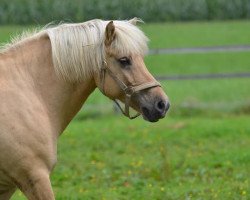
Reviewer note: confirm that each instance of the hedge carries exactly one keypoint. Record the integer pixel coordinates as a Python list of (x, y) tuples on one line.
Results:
[(45, 11)]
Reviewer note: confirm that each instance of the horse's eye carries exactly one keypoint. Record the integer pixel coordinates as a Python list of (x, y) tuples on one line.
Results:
[(124, 61)]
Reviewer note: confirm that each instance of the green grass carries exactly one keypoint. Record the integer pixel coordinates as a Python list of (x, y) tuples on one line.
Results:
[(200, 151), (168, 160), (198, 34), (199, 63), (113, 158)]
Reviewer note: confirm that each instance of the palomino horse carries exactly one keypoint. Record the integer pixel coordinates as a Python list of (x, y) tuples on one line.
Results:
[(44, 80)]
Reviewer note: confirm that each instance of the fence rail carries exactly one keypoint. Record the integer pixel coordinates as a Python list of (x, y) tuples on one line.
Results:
[(203, 76), (213, 49)]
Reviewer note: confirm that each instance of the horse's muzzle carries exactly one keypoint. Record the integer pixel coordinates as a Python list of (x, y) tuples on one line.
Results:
[(156, 110)]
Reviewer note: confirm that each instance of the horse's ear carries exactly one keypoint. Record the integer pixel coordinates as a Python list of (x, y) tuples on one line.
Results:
[(109, 33), (135, 20)]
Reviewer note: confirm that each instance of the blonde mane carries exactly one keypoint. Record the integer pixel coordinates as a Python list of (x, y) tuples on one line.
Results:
[(78, 49)]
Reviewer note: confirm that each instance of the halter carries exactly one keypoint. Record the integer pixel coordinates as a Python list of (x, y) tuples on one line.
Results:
[(128, 90)]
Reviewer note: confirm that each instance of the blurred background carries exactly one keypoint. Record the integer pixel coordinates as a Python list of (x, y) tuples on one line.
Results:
[(44, 11), (200, 51)]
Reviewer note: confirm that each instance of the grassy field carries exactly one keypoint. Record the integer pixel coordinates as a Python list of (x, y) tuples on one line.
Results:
[(200, 151), (196, 34), (199, 63)]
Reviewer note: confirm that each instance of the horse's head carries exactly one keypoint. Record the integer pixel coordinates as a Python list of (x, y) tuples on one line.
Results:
[(124, 75)]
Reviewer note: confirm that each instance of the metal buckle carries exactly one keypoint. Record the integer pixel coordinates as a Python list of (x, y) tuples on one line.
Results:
[(105, 63), (129, 91)]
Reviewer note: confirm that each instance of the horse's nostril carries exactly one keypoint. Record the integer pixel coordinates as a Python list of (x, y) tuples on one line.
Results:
[(162, 106)]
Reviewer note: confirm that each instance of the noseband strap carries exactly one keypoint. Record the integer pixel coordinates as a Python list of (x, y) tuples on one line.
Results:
[(128, 90)]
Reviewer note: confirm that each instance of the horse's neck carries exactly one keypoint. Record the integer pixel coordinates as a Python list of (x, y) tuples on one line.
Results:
[(33, 72)]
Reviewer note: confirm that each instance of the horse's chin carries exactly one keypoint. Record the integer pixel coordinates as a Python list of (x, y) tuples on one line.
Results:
[(148, 119), (147, 116), (151, 115)]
